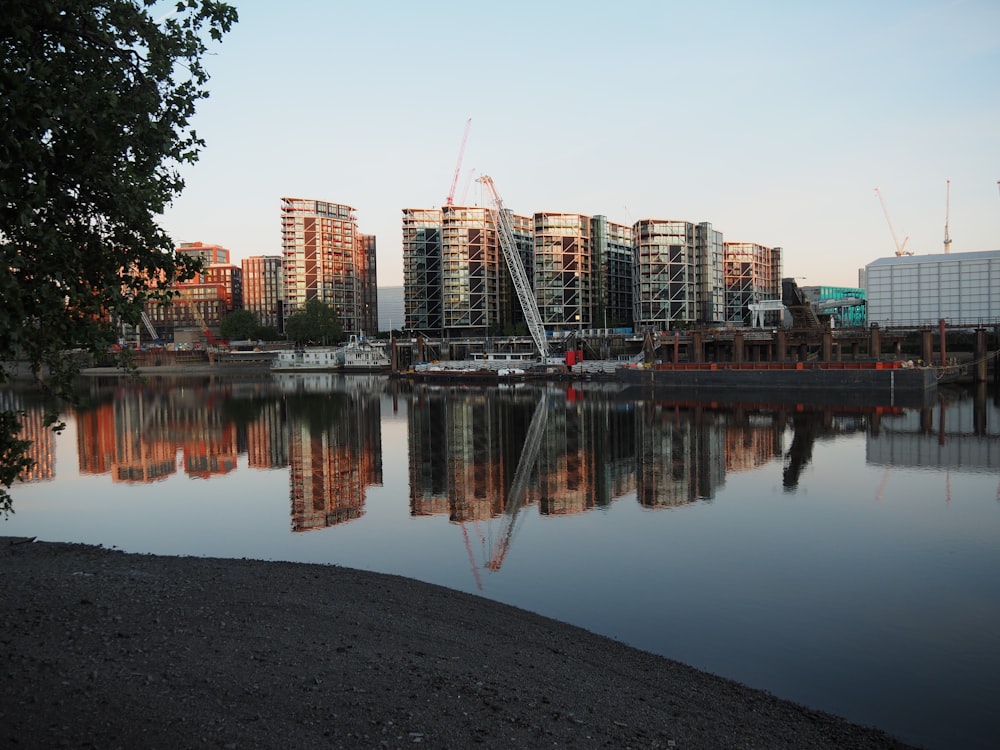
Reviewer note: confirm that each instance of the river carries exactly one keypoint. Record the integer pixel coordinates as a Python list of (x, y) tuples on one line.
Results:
[(844, 558)]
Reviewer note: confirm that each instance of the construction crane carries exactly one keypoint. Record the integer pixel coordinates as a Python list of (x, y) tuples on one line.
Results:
[(519, 485), (947, 213), (900, 248), (450, 201), (149, 327), (465, 184), (505, 233)]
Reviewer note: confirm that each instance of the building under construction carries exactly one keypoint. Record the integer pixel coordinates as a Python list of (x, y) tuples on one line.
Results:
[(585, 273)]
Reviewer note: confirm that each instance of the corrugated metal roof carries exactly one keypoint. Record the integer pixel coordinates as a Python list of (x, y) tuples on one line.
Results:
[(906, 260)]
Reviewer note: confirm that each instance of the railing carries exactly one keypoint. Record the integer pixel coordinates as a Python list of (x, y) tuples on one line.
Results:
[(759, 366)]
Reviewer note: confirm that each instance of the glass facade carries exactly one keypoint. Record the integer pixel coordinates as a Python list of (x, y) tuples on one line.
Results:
[(586, 272), (752, 274), (470, 271), (664, 256), (422, 283), (612, 287), (262, 289), (823, 299), (563, 271)]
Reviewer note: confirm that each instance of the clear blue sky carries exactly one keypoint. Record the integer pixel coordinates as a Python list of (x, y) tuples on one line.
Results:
[(774, 121)]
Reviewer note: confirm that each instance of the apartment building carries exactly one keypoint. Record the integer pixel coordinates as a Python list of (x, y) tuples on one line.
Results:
[(194, 315), (611, 292), (678, 277), (423, 303), (262, 294), (753, 274), (563, 271), (586, 272), (325, 258)]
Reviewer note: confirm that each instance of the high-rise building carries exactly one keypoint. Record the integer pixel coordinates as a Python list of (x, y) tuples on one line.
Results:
[(753, 274), (470, 272), (326, 259), (262, 289), (563, 271), (710, 283), (612, 291), (422, 287), (674, 280), (585, 272), (367, 269)]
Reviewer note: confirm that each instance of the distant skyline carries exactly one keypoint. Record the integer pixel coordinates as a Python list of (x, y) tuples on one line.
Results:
[(774, 121)]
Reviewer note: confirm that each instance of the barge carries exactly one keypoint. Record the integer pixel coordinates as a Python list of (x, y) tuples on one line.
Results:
[(887, 383)]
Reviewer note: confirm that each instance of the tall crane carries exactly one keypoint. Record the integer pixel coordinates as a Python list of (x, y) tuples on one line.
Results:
[(505, 233), (947, 213), (900, 248), (458, 167)]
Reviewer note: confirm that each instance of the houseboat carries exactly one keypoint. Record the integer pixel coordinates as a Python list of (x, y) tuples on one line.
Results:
[(358, 355)]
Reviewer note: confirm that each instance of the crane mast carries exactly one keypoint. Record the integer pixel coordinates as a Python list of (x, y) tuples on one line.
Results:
[(505, 233), (947, 213)]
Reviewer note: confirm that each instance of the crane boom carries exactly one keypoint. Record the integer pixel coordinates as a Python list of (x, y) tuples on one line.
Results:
[(458, 167), (900, 248), (149, 327), (505, 233)]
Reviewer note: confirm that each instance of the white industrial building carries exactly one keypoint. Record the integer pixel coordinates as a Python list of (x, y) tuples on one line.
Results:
[(920, 290)]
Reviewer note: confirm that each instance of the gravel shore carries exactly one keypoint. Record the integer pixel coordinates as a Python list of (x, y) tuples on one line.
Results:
[(111, 650)]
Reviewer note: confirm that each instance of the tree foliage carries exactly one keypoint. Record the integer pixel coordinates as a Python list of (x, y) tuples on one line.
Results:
[(315, 324), (238, 325), (96, 98)]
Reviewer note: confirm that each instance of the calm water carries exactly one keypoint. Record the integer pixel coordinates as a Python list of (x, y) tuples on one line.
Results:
[(847, 560)]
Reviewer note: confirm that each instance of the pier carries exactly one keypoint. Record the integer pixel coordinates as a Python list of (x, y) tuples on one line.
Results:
[(957, 353)]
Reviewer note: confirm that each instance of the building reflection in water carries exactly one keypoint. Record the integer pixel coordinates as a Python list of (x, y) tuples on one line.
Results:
[(481, 453), (41, 451), (335, 454)]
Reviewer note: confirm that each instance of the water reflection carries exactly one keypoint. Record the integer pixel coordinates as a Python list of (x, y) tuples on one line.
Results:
[(791, 547), (476, 453)]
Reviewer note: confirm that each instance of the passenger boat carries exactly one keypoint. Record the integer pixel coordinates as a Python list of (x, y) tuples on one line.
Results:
[(358, 355)]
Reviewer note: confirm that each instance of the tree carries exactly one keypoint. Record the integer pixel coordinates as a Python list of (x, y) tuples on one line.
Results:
[(315, 324), (96, 98), (239, 324)]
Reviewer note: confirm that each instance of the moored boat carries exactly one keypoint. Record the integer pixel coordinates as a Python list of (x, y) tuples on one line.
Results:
[(358, 355)]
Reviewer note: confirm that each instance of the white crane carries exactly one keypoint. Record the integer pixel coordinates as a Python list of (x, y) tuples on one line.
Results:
[(149, 327), (450, 200), (505, 233), (900, 248), (947, 213)]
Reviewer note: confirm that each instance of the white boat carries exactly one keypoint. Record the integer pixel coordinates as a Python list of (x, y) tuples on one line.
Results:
[(358, 355)]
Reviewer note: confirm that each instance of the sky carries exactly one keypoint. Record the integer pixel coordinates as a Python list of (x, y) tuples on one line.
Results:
[(773, 121)]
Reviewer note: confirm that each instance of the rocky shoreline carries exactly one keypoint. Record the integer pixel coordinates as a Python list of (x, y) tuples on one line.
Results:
[(113, 650)]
